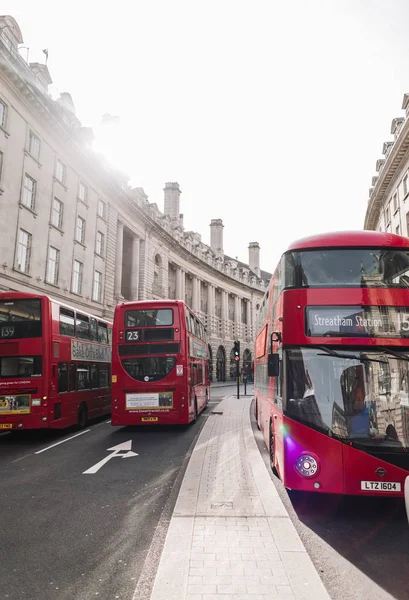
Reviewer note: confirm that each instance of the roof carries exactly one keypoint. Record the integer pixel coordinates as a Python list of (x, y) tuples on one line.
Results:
[(263, 274), (350, 238)]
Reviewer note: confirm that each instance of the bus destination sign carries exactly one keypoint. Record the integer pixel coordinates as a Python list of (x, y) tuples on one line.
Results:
[(357, 321), (90, 351)]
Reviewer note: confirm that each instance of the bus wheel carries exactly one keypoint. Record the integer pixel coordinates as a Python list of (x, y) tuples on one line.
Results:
[(272, 450), (82, 416)]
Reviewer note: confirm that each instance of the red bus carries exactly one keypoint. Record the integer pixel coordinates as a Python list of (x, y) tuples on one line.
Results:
[(54, 364), (332, 364), (160, 364)]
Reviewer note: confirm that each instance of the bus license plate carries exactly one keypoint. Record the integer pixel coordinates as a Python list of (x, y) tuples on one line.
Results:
[(150, 419), (380, 486), (6, 426)]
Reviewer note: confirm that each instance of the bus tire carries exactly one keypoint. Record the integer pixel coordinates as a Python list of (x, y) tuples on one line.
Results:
[(82, 416), (272, 450)]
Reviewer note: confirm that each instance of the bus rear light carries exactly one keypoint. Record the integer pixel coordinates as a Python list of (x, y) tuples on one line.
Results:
[(44, 397), (44, 419), (307, 465)]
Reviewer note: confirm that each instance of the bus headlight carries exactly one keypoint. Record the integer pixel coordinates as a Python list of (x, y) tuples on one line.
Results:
[(307, 465)]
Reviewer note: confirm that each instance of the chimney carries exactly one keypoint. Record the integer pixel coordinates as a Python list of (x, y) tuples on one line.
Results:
[(172, 200), (216, 236), (254, 257), (181, 220)]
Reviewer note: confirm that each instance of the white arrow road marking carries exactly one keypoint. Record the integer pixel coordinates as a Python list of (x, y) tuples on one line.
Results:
[(125, 446)]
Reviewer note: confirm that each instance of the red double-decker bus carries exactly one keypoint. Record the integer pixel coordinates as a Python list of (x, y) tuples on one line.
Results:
[(332, 364), (54, 364), (160, 364)]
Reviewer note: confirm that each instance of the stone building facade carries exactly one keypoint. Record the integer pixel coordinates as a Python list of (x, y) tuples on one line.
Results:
[(388, 210), (72, 228)]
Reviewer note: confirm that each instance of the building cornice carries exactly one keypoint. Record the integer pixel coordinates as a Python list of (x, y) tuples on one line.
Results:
[(386, 177)]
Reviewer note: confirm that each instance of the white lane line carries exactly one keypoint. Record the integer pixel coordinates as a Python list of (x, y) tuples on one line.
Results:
[(108, 421), (21, 458), (62, 441)]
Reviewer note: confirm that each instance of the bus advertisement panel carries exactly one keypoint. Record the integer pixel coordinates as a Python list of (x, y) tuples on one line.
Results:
[(332, 385), (54, 364), (160, 364)]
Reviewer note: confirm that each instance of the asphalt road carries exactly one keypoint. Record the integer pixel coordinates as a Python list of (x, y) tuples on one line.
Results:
[(360, 546), (71, 535)]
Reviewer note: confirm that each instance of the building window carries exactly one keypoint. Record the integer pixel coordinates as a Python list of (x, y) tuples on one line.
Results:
[(395, 202), (80, 230), (53, 265), (82, 192), (29, 192), (57, 212), (77, 277), (24, 251), (100, 244), (3, 114), (405, 185), (388, 214), (102, 209), (60, 171), (97, 287), (34, 145), (397, 230)]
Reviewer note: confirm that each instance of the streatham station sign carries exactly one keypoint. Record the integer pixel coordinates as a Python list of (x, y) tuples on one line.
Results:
[(357, 321)]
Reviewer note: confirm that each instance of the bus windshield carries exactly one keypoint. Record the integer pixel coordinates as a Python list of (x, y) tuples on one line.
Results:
[(20, 318), (353, 395), (149, 368), (149, 318), (362, 267)]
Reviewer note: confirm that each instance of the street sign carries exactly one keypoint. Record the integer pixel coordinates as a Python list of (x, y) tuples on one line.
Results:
[(116, 450)]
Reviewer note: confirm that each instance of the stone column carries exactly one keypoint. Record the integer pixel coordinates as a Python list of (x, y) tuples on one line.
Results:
[(183, 284), (248, 313), (210, 300), (119, 258), (225, 306), (195, 306), (237, 309), (179, 284), (135, 268), (199, 295)]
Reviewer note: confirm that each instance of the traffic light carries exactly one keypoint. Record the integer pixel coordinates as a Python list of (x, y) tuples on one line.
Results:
[(236, 351)]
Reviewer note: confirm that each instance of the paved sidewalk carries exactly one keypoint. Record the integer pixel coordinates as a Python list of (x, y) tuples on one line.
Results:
[(230, 537)]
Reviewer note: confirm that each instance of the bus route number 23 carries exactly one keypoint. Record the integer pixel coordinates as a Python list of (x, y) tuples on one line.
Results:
[(132, 336)]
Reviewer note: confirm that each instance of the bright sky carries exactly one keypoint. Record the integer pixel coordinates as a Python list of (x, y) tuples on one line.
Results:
[(270, 114)]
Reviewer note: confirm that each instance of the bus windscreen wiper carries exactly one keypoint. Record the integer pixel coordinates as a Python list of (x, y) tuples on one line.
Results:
[(362, 359)]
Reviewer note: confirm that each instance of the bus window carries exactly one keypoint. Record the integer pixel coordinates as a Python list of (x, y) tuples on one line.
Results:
[(67, 322), (72, 377), (93, 329), (82, 327), (102, 333), (94, 378), (103, 376), (82, 377), (62, 377), (109, 336)]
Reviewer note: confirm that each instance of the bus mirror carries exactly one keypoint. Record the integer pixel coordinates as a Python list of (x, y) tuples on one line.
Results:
[(273, 366)]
